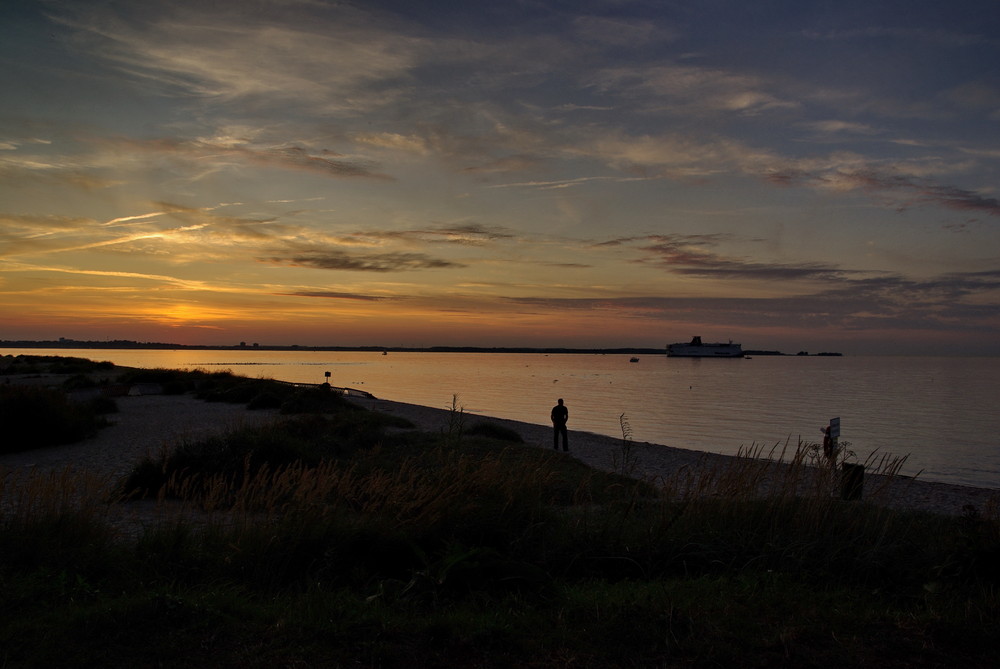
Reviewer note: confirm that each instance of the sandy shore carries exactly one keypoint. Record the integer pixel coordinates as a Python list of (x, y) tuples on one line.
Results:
[(146, 424)]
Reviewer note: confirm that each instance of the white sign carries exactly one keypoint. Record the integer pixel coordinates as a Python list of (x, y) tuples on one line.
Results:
[(835, 427)]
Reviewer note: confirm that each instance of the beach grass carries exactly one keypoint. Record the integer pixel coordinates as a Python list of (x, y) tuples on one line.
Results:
[(345, 537)]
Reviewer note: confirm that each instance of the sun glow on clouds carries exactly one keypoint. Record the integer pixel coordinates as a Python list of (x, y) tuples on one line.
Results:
[(342, 173)]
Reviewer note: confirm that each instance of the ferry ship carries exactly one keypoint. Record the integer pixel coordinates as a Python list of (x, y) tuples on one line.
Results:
[(696, 349)]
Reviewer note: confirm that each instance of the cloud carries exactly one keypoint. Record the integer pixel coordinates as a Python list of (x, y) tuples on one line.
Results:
[(128, 220), (837, 127), (33, 223), (229, 153), (692, 89), (680, 158), (23, 234), (976, 96), (15, 144), (380, 262), (326, 294), (97, 162), (395, 141), (881, 303), (467, 234), (567, 183), (179, 234), (77, 172), (515, 163), (912, 189), (692, 255), (940, 37), (959, 198), (174, 232), (325, 56), (187, 284), (619, 33)]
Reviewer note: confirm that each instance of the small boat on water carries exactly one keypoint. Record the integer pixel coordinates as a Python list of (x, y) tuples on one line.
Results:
[(696, 349), (633, 359)]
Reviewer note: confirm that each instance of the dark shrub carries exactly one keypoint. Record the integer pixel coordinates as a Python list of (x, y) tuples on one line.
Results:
[(265, 400), (260, 393), (494, 431), (315, 400), (103, 405), (173, 381), (233, 455), (239, 393), (176, 387), (51, 364), (39, 417), (78, 381)]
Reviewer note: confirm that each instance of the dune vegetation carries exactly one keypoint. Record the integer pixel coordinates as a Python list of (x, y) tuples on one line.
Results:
[(343, 537)]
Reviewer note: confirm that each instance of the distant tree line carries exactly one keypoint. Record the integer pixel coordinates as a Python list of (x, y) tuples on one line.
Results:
[(129, 344)]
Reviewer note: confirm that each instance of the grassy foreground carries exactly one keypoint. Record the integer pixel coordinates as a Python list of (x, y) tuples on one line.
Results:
[(341, 537)]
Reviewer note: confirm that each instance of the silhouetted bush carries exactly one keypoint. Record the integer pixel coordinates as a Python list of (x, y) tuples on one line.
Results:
[(34, 417), (494, 431), (102, 405), (78, 382), (173, 381), (266, 399), (51, 364), (315, 400)]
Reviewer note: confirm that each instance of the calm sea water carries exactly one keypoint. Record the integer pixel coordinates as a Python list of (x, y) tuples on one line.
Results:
[(940, 412)]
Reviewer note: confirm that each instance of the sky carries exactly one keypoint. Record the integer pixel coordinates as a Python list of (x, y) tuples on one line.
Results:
[(791, 175)]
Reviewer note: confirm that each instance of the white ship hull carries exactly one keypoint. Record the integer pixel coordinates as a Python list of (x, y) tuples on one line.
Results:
[(696, 349)]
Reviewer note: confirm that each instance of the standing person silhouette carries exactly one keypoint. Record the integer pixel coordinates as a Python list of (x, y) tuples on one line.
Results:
[(560, 414)]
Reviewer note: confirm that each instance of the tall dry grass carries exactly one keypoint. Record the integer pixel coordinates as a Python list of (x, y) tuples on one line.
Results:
[(781, 472), (780, 509), (26, 495), (774, 509), (61, 518), (350, 521), (428, 491)]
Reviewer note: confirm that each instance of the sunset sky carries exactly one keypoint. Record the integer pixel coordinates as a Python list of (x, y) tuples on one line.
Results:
[(790, 175)]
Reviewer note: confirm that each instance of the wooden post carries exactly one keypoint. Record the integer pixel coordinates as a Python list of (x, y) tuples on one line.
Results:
[(852, 481)]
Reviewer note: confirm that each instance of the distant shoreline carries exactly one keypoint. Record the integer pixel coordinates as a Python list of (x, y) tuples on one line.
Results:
[(157, 346)]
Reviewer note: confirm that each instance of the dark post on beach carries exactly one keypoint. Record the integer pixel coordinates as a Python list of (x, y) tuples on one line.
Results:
[(831, 433), (852, 481), (852, 476)]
